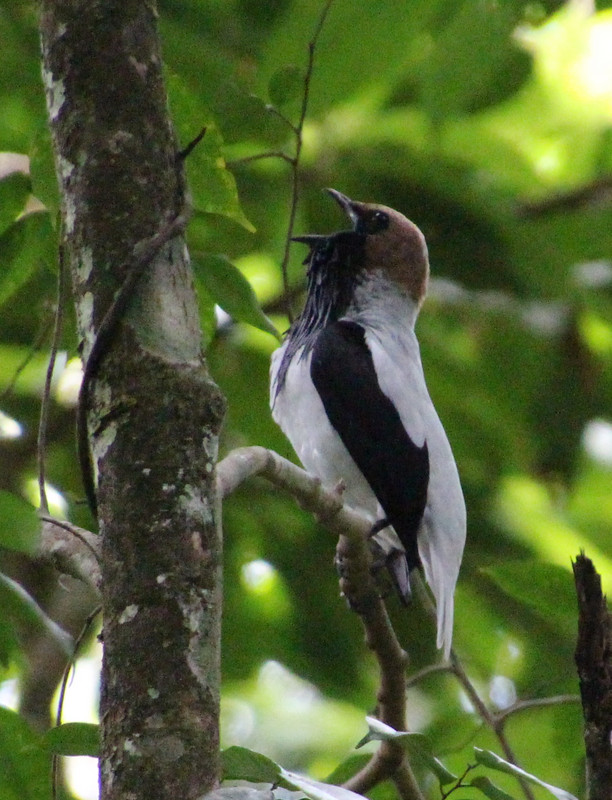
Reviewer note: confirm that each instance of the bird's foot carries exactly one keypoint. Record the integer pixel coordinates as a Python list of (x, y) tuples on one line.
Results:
[(379, 526), (395, 563)]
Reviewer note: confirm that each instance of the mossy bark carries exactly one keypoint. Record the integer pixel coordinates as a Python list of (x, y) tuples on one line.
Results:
[(155, 413)]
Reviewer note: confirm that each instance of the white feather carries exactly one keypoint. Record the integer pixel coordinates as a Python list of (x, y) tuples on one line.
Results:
[(388, 318), (299, 412), (389, 325)]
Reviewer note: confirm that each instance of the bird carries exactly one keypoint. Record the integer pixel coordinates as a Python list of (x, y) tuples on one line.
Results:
[(348, 390)]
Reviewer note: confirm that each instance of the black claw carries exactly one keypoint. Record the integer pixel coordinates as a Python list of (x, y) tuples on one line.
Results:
[(379, 526)]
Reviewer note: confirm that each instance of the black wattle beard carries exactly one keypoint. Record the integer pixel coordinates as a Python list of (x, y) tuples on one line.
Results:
[(335, 268)]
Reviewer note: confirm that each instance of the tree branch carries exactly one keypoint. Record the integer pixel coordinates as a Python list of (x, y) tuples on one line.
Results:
[(536, 702), (247, 462), (73, 550), (354, 561), (487, 716)]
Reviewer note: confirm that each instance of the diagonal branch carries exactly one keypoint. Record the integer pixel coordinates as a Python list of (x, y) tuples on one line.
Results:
[(481, 708), (354, 561)]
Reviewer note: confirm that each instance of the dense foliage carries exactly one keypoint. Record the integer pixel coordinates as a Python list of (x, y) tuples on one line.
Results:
[(489, 124)]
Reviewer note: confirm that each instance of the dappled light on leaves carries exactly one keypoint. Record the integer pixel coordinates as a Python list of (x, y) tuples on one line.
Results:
[(282, 716), (528, 510)]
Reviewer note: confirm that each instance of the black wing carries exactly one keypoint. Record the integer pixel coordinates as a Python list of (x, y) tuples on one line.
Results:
[(370, 428)]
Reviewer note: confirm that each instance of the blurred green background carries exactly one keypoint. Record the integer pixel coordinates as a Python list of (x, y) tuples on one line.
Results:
[(489, 123)]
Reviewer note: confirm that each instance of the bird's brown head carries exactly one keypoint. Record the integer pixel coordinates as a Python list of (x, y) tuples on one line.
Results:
[(393, 244)]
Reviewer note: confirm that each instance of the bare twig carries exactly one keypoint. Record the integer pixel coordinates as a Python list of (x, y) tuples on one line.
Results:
[(299, 128), (432, 669), (237, 162), (459, 783), (186, 151), (42, 334), (536, 702), (354, 561), (62, 694), (293, 161), (485, 714), (247, 462), (273, 110), (46, 398)]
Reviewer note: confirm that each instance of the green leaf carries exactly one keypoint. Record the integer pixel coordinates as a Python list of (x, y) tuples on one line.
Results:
[(42, 170), (417, 744), (286, 84), (244, 117), (9, 642), (317, 790), (240, 763), (493, 761), (20, 606), (231, 290), (208, 318), (24, 247), (14, 191), (212, 185), (489, 789), (74, 739), (342, 66), (31, 379), (347, 768), (19, 524), (546, 588), (25, 764), (474, 60)]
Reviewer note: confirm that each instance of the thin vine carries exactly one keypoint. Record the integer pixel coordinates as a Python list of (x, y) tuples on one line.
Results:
[(297, 130), (46, 398), (62, 694)]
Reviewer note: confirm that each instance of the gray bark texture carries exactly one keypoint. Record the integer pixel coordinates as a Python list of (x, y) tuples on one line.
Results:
[(594, 662), (153, 413)]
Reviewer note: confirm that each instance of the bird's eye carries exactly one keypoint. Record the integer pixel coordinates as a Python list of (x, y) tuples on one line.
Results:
[(375, 222)]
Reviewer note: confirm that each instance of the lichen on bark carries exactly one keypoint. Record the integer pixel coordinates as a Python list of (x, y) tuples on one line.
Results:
[(155, 412)]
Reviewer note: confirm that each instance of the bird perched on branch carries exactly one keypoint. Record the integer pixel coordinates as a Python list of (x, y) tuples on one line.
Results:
[(348, 390)]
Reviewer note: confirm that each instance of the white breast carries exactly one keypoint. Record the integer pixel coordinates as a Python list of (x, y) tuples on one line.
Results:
[(299, 412)]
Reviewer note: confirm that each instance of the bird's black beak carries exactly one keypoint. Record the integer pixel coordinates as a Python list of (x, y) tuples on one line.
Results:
[(346, 204), (311, 239)]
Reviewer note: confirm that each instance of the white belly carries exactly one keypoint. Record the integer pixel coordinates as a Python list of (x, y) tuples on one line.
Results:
[(299, 412)]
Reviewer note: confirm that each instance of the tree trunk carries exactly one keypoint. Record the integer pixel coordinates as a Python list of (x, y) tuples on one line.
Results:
[(154, 414)]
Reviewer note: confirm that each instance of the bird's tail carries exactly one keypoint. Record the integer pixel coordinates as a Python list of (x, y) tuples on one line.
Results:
[(442, 584)]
